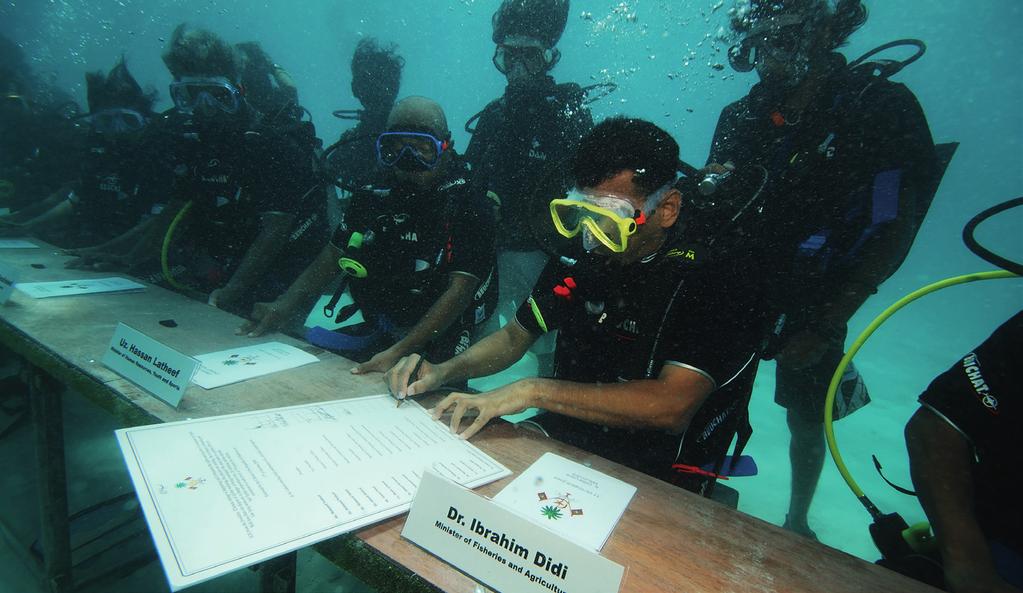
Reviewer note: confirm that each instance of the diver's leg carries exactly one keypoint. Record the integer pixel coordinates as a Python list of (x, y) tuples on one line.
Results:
[(806, 455)]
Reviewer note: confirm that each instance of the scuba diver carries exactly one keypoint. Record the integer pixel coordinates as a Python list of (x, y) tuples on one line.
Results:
[(524, 143), (376, 77), (655, 354), (961, 443), (244, 213), (847, 169), (39, 145), (417, 254), (109, 197), (268, 86)]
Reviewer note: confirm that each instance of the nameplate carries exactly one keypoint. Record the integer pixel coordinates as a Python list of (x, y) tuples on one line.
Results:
[(500, 549), (8, 278), (158, 369)]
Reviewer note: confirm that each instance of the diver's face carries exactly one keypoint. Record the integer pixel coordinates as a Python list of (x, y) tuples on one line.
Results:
[(782, 55), (648, 236), (521, 60)]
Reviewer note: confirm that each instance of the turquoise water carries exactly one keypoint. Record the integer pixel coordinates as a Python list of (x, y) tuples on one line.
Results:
[(661, 54)]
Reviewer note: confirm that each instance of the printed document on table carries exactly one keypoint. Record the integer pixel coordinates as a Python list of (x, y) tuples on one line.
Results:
[(226, 492), (572, 500), (240, 364), (44, 290), (17, 244)]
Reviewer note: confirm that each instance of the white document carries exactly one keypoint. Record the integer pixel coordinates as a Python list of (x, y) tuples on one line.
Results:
[(496, 547), (572, 500), (17, 244), (240, 364), (226, 492), (44, 290)]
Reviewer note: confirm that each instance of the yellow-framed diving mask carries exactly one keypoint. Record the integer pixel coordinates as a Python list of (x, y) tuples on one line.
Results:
[(602, 219)]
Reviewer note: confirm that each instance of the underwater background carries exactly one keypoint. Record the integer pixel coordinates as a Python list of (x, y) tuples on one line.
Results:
[(671, 68)]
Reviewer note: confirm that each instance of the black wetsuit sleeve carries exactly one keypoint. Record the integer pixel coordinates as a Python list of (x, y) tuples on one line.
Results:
[(980, 394), (479, 142), (471, 249), (285, 176), (724, 145), (708, 330), (546, 310)]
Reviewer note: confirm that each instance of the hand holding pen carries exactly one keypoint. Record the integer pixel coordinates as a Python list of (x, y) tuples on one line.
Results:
[(412, 375)]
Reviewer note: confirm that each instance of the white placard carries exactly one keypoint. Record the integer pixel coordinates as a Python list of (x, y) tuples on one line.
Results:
[(240, 364), (226, 492), (157, 368), (45, 290), (570, 499), (499, 549), (17, 244), (8, 278)]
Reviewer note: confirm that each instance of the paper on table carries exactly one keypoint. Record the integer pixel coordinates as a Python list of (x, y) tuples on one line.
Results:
[(572, 500), (17, 244), (232, 366), (226, 492), (44, 290)]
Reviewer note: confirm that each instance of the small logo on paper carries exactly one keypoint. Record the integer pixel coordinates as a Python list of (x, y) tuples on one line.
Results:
[(238, 359), (190, 483), (557, 506)]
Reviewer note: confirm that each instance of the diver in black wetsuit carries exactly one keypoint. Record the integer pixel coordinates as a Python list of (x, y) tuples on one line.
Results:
[(851, 168), (376, 77), (112, 192), (524, 143)]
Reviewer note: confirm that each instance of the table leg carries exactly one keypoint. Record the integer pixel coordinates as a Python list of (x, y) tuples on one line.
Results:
[(48, 424), (279, 574)]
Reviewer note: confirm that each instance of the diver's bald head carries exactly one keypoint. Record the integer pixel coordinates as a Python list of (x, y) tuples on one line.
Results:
[(419, 113)]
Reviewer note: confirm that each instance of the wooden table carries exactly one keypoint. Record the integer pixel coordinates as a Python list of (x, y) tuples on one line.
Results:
[(668, 539)]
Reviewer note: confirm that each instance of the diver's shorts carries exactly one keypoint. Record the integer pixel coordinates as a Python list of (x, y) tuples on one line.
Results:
[(803, 392)]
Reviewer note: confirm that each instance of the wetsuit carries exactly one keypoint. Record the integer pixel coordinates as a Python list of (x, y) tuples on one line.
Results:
[(850, 179), (233, 175), (981, 396), (420, 237), (116, 189), (622, 324), (522, 152)]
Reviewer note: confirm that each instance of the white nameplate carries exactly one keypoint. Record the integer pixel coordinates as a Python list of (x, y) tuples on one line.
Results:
[(160, 370), (17, 244), (8, 278), (498, 548)]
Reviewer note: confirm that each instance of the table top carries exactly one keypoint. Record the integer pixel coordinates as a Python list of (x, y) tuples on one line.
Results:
[(668, 539)]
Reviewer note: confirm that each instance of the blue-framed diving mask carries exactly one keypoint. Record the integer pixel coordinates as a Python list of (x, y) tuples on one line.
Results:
[(411, 151)]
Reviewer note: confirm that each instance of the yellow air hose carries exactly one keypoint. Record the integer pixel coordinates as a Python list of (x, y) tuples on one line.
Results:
[(836, 379), (166, 248)]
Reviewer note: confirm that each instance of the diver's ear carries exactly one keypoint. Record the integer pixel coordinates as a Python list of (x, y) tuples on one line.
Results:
[(669, 207)]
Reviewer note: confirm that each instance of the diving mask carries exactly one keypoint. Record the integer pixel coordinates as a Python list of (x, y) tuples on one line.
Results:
[(783, 38), (190, 93), (603, 219), (419, 150), (534, 60), (115, 121)]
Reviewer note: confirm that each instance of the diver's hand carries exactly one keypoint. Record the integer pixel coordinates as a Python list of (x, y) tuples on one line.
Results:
[(510, 399), (266, 317), (379, 363), (970, 578), (717, 168), (404, 380), (223, 298), (98, 262), (803, 350)]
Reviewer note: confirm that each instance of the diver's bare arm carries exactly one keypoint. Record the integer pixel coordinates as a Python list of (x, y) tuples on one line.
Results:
[(490, 355), (264, 250), (447, 308)]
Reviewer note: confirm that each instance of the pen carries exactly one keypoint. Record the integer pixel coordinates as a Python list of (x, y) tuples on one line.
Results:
[(412, 376)]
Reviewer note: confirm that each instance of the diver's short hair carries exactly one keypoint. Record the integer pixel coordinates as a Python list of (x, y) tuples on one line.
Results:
[(376, 70), (199, 52), (842, 17), (627, 144), (116, 89)]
